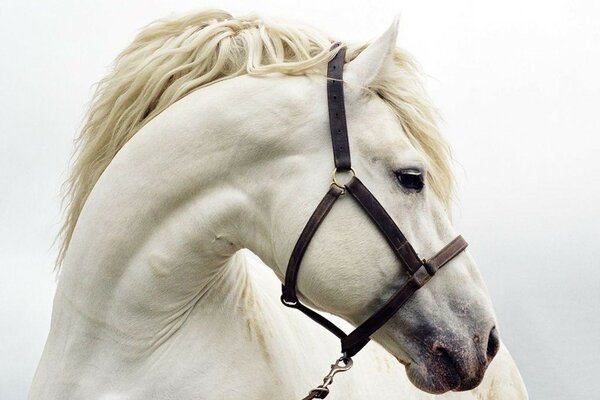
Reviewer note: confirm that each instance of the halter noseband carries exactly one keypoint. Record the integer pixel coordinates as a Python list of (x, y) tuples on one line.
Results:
[(419, 271)]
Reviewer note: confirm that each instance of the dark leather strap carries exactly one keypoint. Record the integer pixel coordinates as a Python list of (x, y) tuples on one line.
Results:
[(386, 225), (355, 340), (321, 320), (337, 110), (289, 296), (446, 254)]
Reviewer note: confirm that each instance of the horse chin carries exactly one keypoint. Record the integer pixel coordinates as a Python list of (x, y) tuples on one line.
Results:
[(437, 379), (433, 380)]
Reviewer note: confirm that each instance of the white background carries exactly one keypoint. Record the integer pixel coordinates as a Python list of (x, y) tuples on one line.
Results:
[(517, 82)]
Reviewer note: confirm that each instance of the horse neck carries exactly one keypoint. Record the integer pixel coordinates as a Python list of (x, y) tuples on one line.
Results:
[(169, 212)]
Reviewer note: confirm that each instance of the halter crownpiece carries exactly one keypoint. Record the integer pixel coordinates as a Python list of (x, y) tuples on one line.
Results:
[(420, 271)]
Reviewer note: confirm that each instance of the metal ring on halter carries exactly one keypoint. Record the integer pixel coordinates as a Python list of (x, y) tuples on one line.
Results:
[(334, 180)]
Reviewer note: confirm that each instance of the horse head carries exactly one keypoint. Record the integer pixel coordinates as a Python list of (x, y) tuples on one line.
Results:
[(445, 334)]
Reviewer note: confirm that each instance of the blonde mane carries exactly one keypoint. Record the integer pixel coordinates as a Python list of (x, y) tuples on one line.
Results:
[(172, 57)]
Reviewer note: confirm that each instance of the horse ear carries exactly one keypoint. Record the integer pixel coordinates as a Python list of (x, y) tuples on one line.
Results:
[(367, 65)]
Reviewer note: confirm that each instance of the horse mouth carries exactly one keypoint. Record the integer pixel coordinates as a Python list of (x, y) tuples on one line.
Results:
[(435, 383), (439, 378)]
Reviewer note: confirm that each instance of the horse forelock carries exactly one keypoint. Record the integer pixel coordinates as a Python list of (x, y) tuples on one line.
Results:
[(172, 57)]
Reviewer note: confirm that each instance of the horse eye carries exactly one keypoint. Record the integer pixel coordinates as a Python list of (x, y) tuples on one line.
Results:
[(411, 179)]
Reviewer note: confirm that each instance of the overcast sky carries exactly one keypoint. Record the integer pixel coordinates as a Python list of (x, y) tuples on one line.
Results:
[(517, 83)]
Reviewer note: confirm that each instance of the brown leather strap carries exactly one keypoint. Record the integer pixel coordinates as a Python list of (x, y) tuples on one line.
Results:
[(355, 340), (319, 319), (446, 254), (289, 296), (337, 110), (386, 225)]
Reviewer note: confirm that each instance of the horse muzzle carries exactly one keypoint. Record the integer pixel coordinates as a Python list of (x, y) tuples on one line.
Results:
[(448, 361)]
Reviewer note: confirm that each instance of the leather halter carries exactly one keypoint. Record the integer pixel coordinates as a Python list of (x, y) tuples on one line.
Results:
[(419, 271)]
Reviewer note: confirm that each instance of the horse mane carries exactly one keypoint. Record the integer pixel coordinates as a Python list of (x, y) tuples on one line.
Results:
[(172, 57)]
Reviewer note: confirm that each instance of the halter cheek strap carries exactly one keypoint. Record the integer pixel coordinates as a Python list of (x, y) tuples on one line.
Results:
[(337, 111), (419, 271)]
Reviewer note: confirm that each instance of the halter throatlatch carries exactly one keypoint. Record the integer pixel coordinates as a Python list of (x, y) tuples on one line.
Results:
[(419, 271)]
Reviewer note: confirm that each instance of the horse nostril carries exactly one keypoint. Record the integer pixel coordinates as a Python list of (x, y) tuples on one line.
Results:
[(493, 344), (444, 354), (441, 351)]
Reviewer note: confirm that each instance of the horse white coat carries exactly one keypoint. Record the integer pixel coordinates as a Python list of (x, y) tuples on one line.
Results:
[(157, 298)]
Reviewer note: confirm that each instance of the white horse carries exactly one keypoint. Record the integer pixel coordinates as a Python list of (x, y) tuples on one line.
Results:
[(157, 298)]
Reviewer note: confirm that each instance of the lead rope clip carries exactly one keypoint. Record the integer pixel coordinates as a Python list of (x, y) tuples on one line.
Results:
[(320, 392)]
